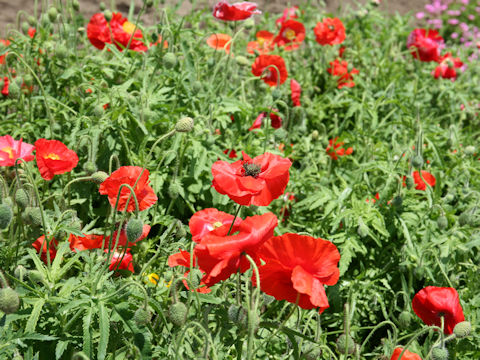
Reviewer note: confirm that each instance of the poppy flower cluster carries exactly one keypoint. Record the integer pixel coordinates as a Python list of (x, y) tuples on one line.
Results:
[(271, 68), (264, 43), (422, 180), (334, 149), (340, 69), (446, 67), (330, 31)]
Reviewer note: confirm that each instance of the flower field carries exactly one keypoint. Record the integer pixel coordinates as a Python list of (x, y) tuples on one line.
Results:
[(237, 184)]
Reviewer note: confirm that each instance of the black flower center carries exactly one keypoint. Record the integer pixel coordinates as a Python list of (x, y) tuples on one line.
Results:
[(251, 169)]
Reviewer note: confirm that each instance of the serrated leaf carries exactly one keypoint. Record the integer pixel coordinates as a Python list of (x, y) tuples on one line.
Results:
[(60, 349), (38, 263), (104, 323), (34, 316), (87, 336)]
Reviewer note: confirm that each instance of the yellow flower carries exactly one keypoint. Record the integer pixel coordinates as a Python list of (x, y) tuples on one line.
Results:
[(153, 278)]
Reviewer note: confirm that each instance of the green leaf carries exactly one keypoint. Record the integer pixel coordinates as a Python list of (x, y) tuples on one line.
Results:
[(34, 316), (87, 336), (60, 349), (104, 323)]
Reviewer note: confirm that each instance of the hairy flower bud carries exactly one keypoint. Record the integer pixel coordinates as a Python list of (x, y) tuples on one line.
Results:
[(99, 176), (174, 189), (177, 313), (409, 182), (464, 218), (33, 216), (439, 353), (13, 90), (52, 14), (342, 344), (185, 124), (397, 202), (442, 222), (108, 15), (238, 315), (194, 278), (9, 300), (462, 329), (76, 5), (89, 167), (404, 319), (170, 60), (242, 60), (470, 150), (417, 161), (315, 135), (134, 229), (6, 215), (31, 20), (311, 353), (142, 317)]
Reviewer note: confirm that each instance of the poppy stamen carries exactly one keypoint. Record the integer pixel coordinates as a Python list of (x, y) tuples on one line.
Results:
[(251, 169)]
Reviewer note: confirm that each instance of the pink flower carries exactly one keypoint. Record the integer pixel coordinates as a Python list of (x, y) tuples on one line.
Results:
[(235, 12), (425, 44), (11, 150)]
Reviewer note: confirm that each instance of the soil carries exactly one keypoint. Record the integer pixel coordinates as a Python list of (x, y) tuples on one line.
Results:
[(9, 9)]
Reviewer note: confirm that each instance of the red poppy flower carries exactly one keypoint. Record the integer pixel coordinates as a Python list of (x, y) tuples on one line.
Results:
[(299, 265), (5, 86), (255, 181), (288, 13), (31, 32), (296, 90), (267, 66), (206, 220), (420, 185), (123, 258), (129, 175), (446, 68), (330, 32), (341, 50), (334, 150), (123, 240), (11, 150), (340, 68), (86, 242), (275, 119), (425, 44), (220, 42), (40, 243), (183, 259), (235, 12), (221, 255), (54, 158), (290, 35), (374, 199), (2, 57), (407, 355), (232, 154), (263, 45), (118, 31), (431, 303)]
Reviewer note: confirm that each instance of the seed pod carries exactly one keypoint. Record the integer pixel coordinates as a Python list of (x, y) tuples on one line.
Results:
[(185, 124), (142, 317), (177, 313), (99, 176), (439, 353), (404, 319), (442, 222), (462, 329), (6, 215), (342, 344), (9, 300), (134, 229), (170, 60), (417, 161)]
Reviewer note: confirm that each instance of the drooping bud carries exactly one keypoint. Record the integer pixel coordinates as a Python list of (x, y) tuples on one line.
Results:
[(185, 124), (276, 94), (362, 229), (404, 319), (33, 215), (174, 189), (170, 60), (99, 176), (462, 329), (417, 161), (142, 317), (238, 315), (25, 27), (464, 218), (194, 278), (148, 3), (134, 229), (102, 6), (52, 14), (89, 167), (442, 222), (315, 134), (61, 51), (76, 5), (311, 353), (9, 300), (6, 215), (342, 344), (31, 20), (439, 353), (180, 233), (177, 313), (249, 23), (13, 90), (449, 198), (242, 60)]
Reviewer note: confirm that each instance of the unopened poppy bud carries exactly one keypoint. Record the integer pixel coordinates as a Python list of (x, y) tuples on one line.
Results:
[(108, 15), (404, 319), (417, 161), (13, 90), (142, 317), (311, 353), (315, 134), (449, 198), (342, 344), (242, 60), (31, 20), (20, 272), (362, 230), (89, 167), (470, 150), (35, 276), (28, 80), (174, 189), (462, 329), (76, 5), (33, 216), (238, 315), (185, 124), (442, 222), (211, 62), (25, 27), (6, 215), (419, 272), (52, 14), (61, 52), (180, 233), (177, 313), (464, 218), (409, 182), (45, 20), (148, 3), (276, 94), (99, 176), (194, 278), (102, 6), (134, 229), (439, 353), (170, 60), (249, 23), (9, 300), (397, 201)]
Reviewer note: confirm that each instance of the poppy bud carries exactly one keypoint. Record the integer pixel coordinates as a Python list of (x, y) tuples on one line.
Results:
[(442, 222), (177, 313), (61, 52), (180, 233), (362, 230), (342, 344), (211, 62), (142, 317), (108, 15), (311, 353), (45, 20), (31, 20), (6, 215), (98, 110), (170, 60), (238, 315), (25, 27), (276, 94), (417, 161), (464, 219), (185, 124), (28, 80), (249, 23), (397, 201), (439, 353), (197, 86), (52, 14), (9, 300), (409, 182), (102, 6), (449, 198), (76, 5), (35, 276), (148, 3), (194, 278), (462, 329), (242, 60), (470, 150), (33, 216), (89, 167), (404, 319), (13, 90), (134, 229), (419, 272), (99, 176), (174, 189), (315, 134), (20, 272)]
